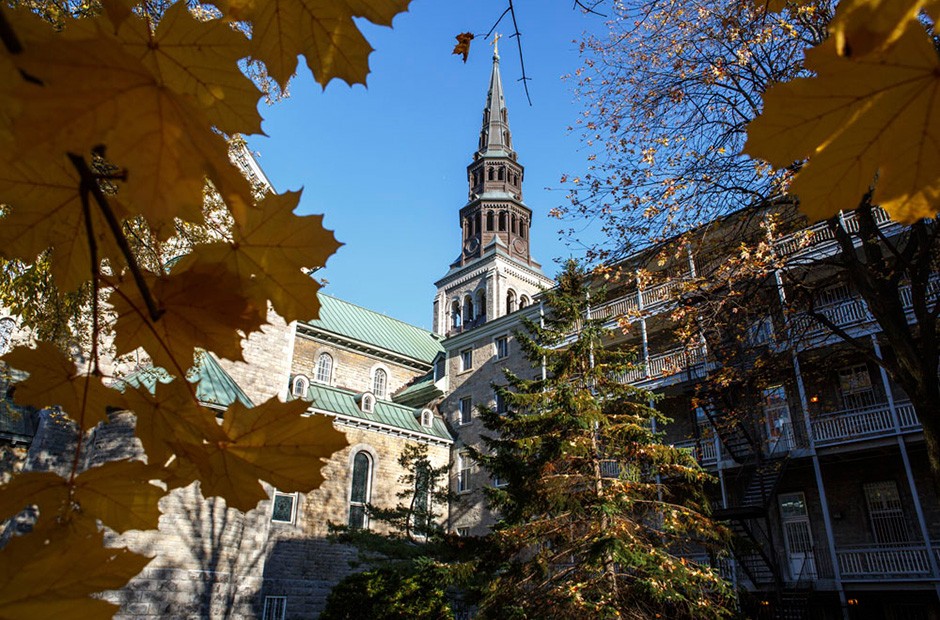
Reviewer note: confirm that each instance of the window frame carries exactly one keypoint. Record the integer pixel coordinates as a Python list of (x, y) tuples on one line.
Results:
[(318, 375), (466, 359), (464, 471), (499, 403), (380, 371), (299, 380), (270, 612), (293, 507), (501, 346), (367, 491)]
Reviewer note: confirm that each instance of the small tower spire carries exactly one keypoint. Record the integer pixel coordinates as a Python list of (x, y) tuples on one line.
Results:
[(495, 137)]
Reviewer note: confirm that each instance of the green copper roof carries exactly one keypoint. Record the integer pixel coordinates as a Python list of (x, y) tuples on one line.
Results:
[(214, 386), (357, 323), (346, 403), (419, 393)]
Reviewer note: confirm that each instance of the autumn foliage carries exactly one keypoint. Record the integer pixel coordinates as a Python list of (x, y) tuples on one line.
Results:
[(114, 121)]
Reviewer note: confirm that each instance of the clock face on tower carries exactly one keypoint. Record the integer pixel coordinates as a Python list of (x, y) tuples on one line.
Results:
[(471, 245), (518, 246)]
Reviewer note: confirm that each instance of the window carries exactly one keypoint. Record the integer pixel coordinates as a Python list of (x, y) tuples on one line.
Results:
[(523, 302), (466, 410), (440, 367), (463, 472), (856, 388), (463, 532), (888, 524), (468, 309), (510, 301), (777, 418), (275, 608), (427, 418), (367, 403), (499, 482), (324, 368), (283, 506), (481, 305), (500, 402), (502, 347), (466, 359), (455, 314), (360, 491), (380, 383), (299, 386)]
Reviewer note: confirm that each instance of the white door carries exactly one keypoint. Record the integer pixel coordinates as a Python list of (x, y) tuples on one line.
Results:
[(797, 536), (777, 418)]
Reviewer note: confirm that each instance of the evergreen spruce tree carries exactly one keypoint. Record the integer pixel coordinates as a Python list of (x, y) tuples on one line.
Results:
[(596, 510)]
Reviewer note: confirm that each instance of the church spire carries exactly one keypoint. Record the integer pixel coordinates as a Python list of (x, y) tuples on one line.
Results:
[(495, 138)]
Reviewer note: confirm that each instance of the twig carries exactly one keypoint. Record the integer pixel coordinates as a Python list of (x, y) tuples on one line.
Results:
[(93, 251), (518, 36), (91, 180), (587, 9)]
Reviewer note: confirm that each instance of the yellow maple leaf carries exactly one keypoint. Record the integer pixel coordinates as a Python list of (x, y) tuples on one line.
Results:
[(200, 59), (861, 27), (463, 44), (118, 493), (168, 417), (271, 250), (54, 381), (858, 119), (323, 31), (46, 212), (273, 442), (93, 92), (201, 308), (52, 573)]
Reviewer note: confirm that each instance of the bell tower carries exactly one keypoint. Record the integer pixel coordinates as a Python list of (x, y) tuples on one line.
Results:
[(495, 273)]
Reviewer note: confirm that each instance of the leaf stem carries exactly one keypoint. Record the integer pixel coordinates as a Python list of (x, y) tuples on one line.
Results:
[(91, 180)]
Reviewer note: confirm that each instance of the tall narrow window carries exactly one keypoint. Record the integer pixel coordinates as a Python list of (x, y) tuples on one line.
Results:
[(888, 524), (463, 472), (466, 410), (523, 302), (489, 220), (324, 368), (501, 406), (502, 347), (455, 314), (468, 309), (274, 608), (502, 173), (361, 489), (380, 383), (510, 301), (502, 220), (481, 304), (490, 174), (466, 359)]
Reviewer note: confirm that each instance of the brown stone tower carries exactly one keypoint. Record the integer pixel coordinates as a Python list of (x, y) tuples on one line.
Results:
[(494, 274)]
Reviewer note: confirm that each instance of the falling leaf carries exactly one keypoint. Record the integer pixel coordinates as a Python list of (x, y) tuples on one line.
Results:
[(463, 44), (201, 308), (118, 493), (273, 249), (855, 120), (273, 442), (54, 381), (323, 31), (51, 573)]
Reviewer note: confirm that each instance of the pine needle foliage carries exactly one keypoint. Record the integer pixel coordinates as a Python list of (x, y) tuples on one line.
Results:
[(596, 511)]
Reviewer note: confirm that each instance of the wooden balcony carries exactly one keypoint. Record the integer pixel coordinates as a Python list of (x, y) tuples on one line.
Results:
[(851, 425), (667, 364), (897, 561)]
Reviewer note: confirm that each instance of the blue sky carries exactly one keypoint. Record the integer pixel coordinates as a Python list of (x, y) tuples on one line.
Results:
[(387, 164)]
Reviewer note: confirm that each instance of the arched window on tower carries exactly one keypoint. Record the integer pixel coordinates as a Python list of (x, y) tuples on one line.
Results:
[(510, 301), (476, 224), (455, 314), (468, 310), (489, 173), (360, 491), (324, 368), (501, 174), (522, 228), (523, 302), (502, 220), (380, 383), (512, 223), (481, 304), (489, 220), (466, 228)]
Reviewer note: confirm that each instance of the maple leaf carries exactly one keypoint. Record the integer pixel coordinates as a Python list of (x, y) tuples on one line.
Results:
[(273, 442), (47, 213), (856, 119), (92, 93), (198, 58), (168, 417), (323, 31), (51, 573), (463, 44), (271, 249), (118, 493), (54, 381), (201, 307), (861, 27)]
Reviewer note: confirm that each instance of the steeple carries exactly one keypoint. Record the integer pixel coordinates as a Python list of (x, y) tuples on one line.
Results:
[(495, 137)]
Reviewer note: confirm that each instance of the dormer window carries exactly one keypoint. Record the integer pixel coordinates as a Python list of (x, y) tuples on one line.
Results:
[(427, 418), (367, 403), (299, 386)]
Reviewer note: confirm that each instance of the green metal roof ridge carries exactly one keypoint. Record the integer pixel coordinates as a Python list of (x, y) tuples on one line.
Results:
[(355, 322), (419, 393), (342, 402), (214, 386)]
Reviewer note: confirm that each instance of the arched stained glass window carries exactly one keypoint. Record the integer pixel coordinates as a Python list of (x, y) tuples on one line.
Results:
[(380, 383), (324, 368), (361, 489)]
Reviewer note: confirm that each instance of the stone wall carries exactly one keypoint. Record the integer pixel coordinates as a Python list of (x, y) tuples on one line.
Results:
[(265, 373)]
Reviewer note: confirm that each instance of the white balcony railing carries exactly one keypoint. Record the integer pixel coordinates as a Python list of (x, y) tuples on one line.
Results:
[(816, 235), (667, 364), (883, 561), (849, 312), (855, 424), (661, 293), (704, 450)]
